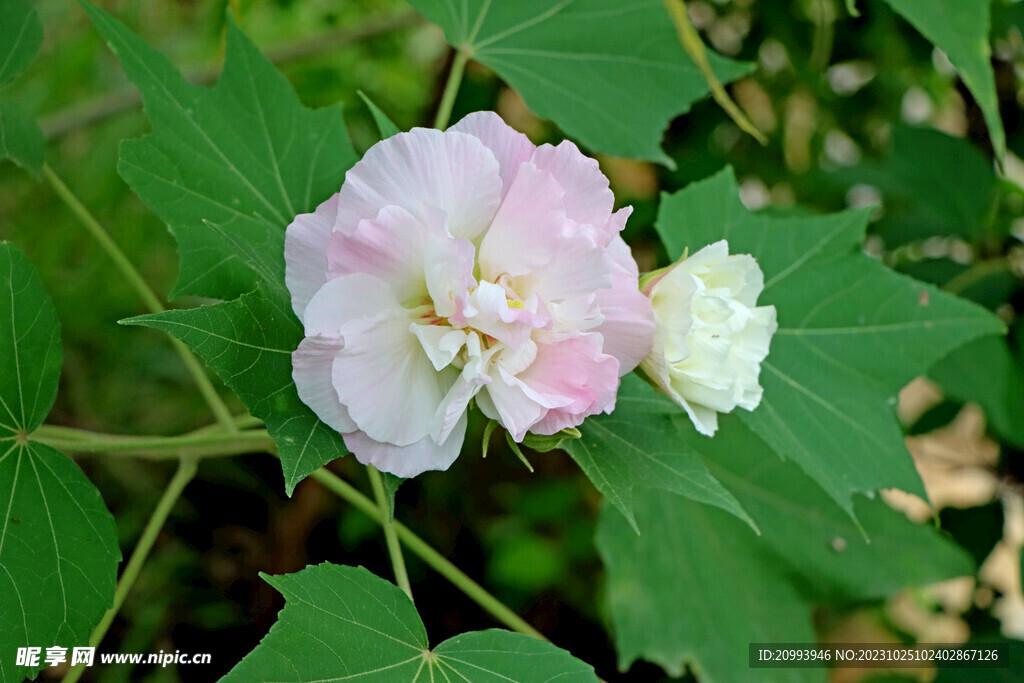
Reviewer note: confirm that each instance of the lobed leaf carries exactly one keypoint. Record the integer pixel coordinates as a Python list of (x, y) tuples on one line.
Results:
[(225, 165), (808, 551), (851, 334), (610, 74), (248, 342), (345, 623)]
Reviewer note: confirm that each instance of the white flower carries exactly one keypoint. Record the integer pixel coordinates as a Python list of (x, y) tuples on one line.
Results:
[(711, 336)]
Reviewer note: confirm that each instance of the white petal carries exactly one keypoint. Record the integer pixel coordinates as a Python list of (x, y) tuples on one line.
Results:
[(424, 171), (311, 370), (510, 147), (348, 298), (441, 343), (408, 461), (305, 253)]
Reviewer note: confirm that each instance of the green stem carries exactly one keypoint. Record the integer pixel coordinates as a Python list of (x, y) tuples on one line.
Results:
[(430, 556), (976, 273), (691, 42), (186, 471), (394, 549), (451, 89), (149, 298), (194, 445)]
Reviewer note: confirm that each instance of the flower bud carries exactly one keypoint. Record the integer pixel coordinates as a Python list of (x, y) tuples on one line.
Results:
[(710, 335)]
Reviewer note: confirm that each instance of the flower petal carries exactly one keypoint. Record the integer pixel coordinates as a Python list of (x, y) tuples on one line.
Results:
[(408, 461), (387, 382), (510, 147), (588, 199), (311, 370), (305, 253), (628, 326), (424, 171), (527, 228), (347, 298)]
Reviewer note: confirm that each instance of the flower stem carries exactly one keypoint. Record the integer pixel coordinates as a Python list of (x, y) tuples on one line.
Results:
[(431, 557), (394, 549), (195, 445), (451, 89), (145, 292), (690, 40), (186, 471)]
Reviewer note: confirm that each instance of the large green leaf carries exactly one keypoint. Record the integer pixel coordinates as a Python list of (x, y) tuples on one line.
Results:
[(985, 372), (610, 74), (58, 543), (728, 587), (851, 334), (638, 445), (20, 38), (249, 342), (30, 353), (932, 184), (342, 623), (960, 29), (21, 140), (225, 165)]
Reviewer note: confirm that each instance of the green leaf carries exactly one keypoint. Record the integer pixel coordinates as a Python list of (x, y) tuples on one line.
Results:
[(21, 140), (960, 29), (249, 342), (20, 38), (851, 334), (345, 623), (58, 543), (385, 126), (226, 165), (932, 184), (391, 484), (30, 353), (58, 553), (638, 445), (610, 74), (984, 372), (710, 566)]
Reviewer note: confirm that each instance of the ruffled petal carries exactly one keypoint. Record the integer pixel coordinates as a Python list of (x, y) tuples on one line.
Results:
[(387, 382), (305, 253), (311, 370), (348, 298), (588, 198), (424, 171), (389, 247), (628, 326), (408, 461), (510, 147), (527, 228)]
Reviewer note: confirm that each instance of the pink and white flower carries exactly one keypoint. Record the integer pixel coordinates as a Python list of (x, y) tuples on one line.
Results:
[(458, 265)]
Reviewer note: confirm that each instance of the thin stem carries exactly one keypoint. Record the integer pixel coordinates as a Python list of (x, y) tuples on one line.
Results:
[(388, 524), (431, 557), (976, 273), (691, 42), (195, 445), (185, 473), (451, 89), (149, 298)]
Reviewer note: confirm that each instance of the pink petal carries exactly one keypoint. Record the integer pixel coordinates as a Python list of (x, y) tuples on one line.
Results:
[(424, 171), (628, 326), (408, 461), (389, 247), (578, 267), (305, 253), (510, 147), (588, 198), (527, 227), (311, 370)]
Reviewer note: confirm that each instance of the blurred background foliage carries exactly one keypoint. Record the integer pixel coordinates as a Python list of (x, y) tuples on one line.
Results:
[(858, 111)]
